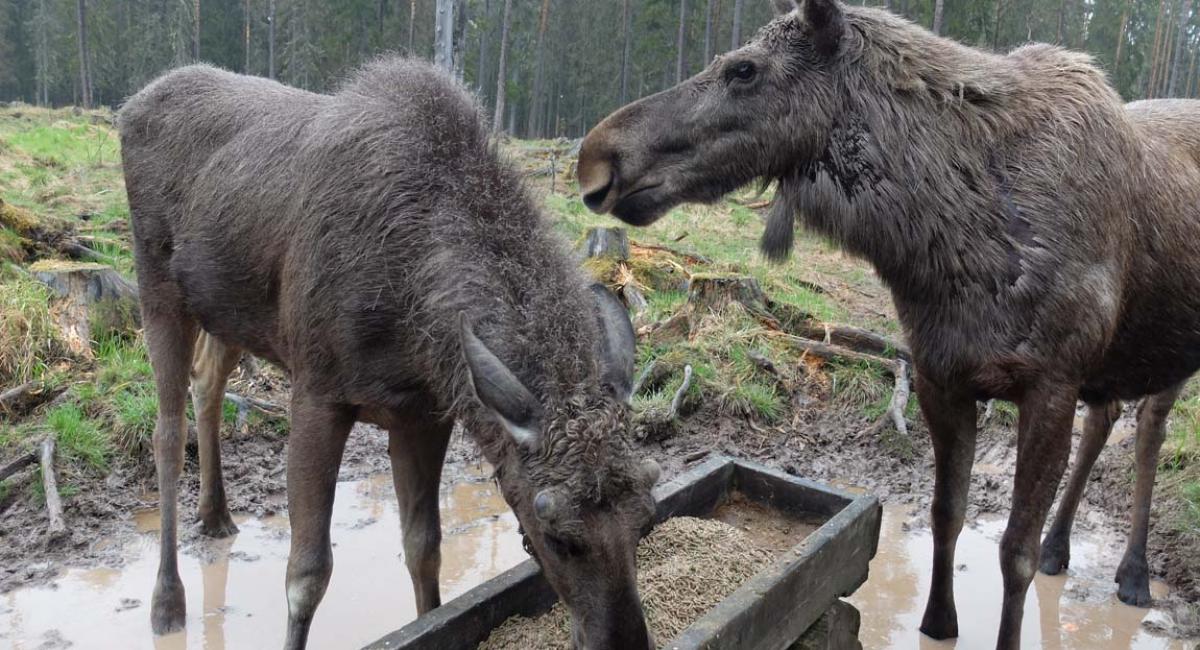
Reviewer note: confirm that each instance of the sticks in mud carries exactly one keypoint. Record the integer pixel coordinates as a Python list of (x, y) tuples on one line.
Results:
[(17, 465), (54, 508), (677, 401)]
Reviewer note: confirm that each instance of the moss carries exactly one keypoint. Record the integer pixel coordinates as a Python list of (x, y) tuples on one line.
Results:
[(17, 219)]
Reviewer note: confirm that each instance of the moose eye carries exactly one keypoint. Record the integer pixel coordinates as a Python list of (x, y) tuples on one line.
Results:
[(742, 71)]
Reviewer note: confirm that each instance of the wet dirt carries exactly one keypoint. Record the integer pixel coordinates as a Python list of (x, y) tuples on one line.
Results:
[(1077, 611), (235, 587)]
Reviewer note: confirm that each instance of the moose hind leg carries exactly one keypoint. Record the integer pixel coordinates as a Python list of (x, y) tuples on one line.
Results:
[(169, 336), (1043, 449), (418, 449), (1133, 574), (952, 427), (211, 365), (315, 447), (1056, 547)]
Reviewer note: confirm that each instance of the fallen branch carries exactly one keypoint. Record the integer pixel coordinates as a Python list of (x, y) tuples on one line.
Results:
[(837, 353), (895, 412), (641, 378), (54, 508), (17, 465), (75, 250), (858, 339), (677, 401), (11, 398), (758, 205), (261, 405), (694, 258)]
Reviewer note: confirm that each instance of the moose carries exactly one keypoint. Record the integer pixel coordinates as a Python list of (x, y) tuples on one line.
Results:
[(371, 243), (1041, 240)]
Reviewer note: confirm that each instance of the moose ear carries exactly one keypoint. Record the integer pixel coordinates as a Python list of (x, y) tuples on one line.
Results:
[(498, 389), (825, 19), (618, 343)]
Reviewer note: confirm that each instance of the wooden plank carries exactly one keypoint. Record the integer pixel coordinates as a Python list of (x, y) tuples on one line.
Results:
[(789, 493), (775, 607), (696, 492), (466, 621)]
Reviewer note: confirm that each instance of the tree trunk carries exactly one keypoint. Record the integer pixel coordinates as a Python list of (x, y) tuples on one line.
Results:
[(412, 27), (443, 37), (996, 24), (195, 30), (708, 34), (461, 19), (1062, 16), (627, 50), (246, 36), (43, 55), (484, 35), (1185, 12), (85, 72), (501, 76), (1154, 49), (939, 7), (1121, 38), (681, 45), (271, 39), (736, 39), (539, 74), (1190, 90)]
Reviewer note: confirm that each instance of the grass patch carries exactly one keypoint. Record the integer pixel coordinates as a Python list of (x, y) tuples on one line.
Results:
[(79, 436), (29, 339)]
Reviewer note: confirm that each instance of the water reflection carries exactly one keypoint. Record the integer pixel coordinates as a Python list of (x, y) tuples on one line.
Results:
[(1075, 612), (235, 587)]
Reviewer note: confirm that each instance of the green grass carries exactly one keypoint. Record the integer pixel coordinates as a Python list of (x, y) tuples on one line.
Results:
[(79, 436), (29, 339)]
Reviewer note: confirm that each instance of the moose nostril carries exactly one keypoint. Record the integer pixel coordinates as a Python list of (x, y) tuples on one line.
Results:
[(594, 199)]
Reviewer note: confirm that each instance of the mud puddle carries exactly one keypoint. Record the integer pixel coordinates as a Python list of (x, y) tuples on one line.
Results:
[(235, 587), (1067, 612)]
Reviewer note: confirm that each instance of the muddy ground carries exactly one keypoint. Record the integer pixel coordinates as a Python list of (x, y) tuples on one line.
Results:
[(822, 443)]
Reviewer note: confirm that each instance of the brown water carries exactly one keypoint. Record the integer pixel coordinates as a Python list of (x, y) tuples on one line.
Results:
[(235, 596), (1079, 611)]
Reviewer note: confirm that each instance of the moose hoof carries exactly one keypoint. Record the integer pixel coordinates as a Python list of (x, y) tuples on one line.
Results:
[(168, 610), (1133, 584), (1056, 556), (940, 623), (218, 526)]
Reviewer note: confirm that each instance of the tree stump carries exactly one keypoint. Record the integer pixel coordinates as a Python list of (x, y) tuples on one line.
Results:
[(606, 242), (93, 300), (713, 292)]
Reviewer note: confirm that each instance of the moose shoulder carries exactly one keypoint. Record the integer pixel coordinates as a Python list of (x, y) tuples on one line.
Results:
[(1040, 239), (371, 243)]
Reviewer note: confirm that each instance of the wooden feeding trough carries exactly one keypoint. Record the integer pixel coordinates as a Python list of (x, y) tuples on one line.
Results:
[(772, 609)]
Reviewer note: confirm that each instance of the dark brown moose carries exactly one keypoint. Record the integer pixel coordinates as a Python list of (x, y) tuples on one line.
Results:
[(1040, 239), (371, 243)]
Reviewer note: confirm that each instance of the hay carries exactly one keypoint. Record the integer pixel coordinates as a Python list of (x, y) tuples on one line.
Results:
[(685, 567)]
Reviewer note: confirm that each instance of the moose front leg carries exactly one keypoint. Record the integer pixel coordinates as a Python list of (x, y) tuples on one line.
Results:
[(1133, 575), (1056, 548), (315, 447), (1043, 448), (417, 448), (951, 418)]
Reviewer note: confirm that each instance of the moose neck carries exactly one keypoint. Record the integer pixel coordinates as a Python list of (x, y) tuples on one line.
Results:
[(912, 176)]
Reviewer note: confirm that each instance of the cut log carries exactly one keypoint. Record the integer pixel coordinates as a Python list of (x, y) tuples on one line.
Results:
[(691, 258), (93, 300), (17, 465), (606, 242), (713, 292), (54, 510), (269, 409)]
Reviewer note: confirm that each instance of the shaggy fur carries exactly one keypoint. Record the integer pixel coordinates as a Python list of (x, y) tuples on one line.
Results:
[(1040, 239), (342, 237)]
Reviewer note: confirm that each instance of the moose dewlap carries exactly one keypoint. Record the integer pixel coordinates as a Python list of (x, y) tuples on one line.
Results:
[(685, 567)]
